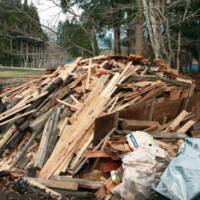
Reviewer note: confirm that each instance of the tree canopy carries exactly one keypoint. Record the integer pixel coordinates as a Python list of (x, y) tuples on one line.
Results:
[(162, 29)]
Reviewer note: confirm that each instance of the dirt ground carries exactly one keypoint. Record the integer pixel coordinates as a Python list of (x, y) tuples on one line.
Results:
[(13, 188)]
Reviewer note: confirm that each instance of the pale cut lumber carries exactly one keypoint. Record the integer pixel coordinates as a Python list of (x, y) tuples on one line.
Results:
[(18, 87), (89, 75), (186, 126), (84, 143), (67, 104), (14, 112), (78, 129), (83, 183), (177, 120), (7, 135), (75, 100), (58, 184), (63, 125), (64, 74), (184, 80), (113, 105), (94, 58), (34, 183), (11, 110), (96, 90), (18, 117), (95, 154), (109, 86), (142, 84)]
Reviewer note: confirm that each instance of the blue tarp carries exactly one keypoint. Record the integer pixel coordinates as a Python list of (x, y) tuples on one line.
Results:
[(181, 179)]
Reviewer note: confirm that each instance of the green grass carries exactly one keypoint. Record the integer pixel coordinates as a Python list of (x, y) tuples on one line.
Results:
[(8, 71)]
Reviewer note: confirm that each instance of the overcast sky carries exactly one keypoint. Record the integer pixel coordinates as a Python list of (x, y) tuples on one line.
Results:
[(50, 14)]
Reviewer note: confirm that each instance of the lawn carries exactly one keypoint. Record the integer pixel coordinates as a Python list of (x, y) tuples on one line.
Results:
[(14, 71)]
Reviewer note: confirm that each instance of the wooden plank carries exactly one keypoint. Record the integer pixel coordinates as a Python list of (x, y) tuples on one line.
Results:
[(7, 135), (81, 147), (128, 124), (54, 132), (51, 100), (100, 131), (96, 148), (11, 112), (41, 153), (167, 109), (83, 183), (175, 93), (186, 126), (84, 120), (32, 182), (95, 154), (89, 75), (26, 147), (17, 117), (67, 104), (177, 121), (58, 184), (40, 120)]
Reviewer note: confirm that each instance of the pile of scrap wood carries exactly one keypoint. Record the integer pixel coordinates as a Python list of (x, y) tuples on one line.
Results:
[(69, 128)]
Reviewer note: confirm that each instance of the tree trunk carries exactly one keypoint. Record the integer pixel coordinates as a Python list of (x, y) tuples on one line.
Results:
[(178, 51), (130, 29), (117, 43), (116, 30), (139, 35), (154, 12), (94, 43), (198, 48)]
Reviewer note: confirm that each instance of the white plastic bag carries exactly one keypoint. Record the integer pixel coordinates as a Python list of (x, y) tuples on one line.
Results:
[(139, 175)]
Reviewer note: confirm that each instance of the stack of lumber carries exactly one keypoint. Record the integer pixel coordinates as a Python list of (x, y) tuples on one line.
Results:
[(62, 125)]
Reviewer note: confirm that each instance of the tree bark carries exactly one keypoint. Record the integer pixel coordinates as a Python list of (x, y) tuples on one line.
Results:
[(117, 43), (94, 42), (154, 16), (178, 51), (130, 29), (116, 28), (139, 35)]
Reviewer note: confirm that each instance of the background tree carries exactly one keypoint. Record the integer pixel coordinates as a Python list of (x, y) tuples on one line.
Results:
[(18, 32)]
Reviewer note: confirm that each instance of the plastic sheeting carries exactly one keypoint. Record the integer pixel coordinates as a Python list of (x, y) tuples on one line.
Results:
[(181, 179)]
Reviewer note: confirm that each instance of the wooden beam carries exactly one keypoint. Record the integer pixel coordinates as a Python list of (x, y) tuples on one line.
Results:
[(41, 153), (95, 154), (83, 183), (17, 117), (58, 184), (186, 126), (177, 121), (32, 182)]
